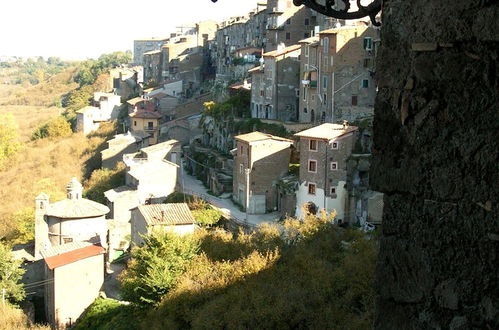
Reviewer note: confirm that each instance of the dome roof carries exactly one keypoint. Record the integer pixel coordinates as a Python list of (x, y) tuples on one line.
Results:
[(77, 208)]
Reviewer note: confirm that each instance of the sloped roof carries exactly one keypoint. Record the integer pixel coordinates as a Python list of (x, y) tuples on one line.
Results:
[(151, 169), (286, 50), (114, 193), (167, 214), (259, 136), (255, 69), (76, 208), (160, 146), (87, 109), (135, 100), (326, 131), (309, 40), (146, 115), (72, 256)]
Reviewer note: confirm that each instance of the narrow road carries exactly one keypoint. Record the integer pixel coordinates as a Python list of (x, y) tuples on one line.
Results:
[(193, 186)]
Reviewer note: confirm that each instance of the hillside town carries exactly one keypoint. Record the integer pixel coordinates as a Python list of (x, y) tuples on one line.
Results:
[(264, 116)]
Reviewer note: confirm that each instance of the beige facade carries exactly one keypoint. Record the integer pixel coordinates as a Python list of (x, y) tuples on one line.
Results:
[(324, 151), (260, 161), (337, 75), (146, 122), (74, 279)]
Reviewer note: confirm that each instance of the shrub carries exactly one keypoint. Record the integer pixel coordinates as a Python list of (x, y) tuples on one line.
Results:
[(155, 267), (207, 217)]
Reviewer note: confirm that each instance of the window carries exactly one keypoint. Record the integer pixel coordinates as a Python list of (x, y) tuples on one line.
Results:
[(288, 35), (311, 188), (324, 82), (306, 55), (325, 45), (307, 21), (288, 21), (365, 83), (334, 166), (304, 93), (261, 92), (368, 43), (297, 92), (241, 168), (241, 150), (325, 98), (150, 125), (354, 99), (134, 123), (335, 146), (306, 35), (333, 190), (305, 110), (312, 166), (312, 146), (367, 63)]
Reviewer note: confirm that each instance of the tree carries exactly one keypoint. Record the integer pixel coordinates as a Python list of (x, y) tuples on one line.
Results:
[(9, 143), (56, 127), (155, 267), (10, 274)]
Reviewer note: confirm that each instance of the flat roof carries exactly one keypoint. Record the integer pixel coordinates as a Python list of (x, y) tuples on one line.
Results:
[(259, 136), (326, 131)]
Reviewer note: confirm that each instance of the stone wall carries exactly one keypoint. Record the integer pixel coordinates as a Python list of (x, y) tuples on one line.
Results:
[(435, 158)]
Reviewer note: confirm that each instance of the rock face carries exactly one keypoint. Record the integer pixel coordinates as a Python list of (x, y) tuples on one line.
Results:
[(436, 156)]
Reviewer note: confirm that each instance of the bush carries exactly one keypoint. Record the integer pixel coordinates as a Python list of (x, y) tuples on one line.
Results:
[(155, 267), (57, 127), (207, 217), (108, 314), (103, 180)]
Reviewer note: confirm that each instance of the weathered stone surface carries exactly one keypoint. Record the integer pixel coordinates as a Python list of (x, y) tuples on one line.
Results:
[(436, 142)]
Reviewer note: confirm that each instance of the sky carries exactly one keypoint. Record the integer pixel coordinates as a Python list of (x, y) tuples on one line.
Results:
[(81, 29)]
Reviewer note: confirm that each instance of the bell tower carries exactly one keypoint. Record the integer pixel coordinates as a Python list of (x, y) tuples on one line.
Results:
[(41, 226)]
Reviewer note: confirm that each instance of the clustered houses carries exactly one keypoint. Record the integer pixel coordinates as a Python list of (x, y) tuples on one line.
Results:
[(106, 107)]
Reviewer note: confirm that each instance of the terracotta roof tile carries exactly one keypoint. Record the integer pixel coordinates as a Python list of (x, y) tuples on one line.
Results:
[(73, 256)]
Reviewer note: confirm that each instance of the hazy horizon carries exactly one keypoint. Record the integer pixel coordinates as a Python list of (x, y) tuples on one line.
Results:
[(87, 29)]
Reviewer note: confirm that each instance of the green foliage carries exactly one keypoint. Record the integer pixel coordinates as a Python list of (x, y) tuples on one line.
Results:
[(102, 180), (207, 217), (235, 106), (91, 69), (37, 71), (56, 127), (25, 226), (106, 314), (9, 143), (255, 124), (177, 197), (10, 274), (306, 273), (155, 267)]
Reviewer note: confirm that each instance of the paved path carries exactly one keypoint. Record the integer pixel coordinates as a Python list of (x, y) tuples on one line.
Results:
[(193, 186)]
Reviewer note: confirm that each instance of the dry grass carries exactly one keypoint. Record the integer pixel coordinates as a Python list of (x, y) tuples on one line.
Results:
[(14, 319), (28, 118)]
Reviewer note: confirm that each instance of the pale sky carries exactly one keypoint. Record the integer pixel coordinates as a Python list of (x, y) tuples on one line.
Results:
[(80, 29)]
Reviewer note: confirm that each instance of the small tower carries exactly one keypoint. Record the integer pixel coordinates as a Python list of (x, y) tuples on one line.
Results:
[(41, 226), (74, 189)]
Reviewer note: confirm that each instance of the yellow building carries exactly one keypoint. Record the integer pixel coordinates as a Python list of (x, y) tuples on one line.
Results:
[(146, 122)]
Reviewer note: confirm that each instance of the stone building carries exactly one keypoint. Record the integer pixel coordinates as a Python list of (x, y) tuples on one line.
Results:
[(125, 81), (141, 46), (87, 120), (147, 219), (275, 85), (74, 275), (337, 70), (324, 151), (74, 219), (260, 161), (146, 122), (287, 24)]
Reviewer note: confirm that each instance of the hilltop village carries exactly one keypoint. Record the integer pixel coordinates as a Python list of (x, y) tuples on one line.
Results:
[(263, 116)]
